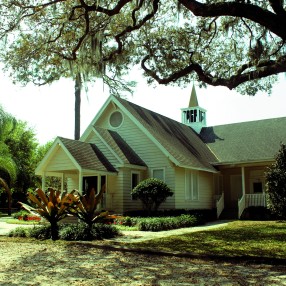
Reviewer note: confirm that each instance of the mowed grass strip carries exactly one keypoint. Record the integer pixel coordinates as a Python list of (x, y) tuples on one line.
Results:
[(237, 239)]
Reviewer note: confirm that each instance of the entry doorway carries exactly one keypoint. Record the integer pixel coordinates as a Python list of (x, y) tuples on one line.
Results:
[(96, 183), (235, 189)]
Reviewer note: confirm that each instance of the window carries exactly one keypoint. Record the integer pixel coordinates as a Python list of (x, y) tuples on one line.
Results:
[(191, 186), (158, 174), (116, 119), (135, 179)]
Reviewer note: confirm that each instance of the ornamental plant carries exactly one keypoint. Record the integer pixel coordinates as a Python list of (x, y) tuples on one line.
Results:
[(85, 207), (53, 206), (152, 192)]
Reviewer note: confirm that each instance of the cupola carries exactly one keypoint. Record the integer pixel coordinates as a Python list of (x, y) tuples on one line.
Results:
[(194, 115)]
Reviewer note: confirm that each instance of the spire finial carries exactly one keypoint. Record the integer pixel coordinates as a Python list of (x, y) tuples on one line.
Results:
[(193, 99)]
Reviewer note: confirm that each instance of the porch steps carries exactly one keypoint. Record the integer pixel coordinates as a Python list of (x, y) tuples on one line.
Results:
[(229, 214)]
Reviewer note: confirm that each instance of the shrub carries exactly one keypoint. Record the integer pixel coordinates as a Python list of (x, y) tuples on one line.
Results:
[(19, 232), (101, 231), (79, 231), (40, 232), (126, 221), (276, 184), (152, 192), (166, 223), (82, 231), (21, 213)]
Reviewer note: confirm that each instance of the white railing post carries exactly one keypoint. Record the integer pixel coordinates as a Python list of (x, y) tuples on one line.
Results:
[(241, 205), (220, 205)]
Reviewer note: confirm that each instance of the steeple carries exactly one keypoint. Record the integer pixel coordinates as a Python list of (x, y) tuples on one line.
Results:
[(193, 99), (194, 115)]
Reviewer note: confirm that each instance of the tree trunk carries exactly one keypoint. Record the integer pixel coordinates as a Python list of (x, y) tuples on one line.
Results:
[(77, 93), (54, 230), (9, 194)]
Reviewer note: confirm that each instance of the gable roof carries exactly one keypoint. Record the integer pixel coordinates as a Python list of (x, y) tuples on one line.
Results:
[(87, 155), (120, 147), (246, 141), (180, 142)]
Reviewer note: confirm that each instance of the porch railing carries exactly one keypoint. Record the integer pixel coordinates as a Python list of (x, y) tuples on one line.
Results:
[(250, 200), (219, 204)]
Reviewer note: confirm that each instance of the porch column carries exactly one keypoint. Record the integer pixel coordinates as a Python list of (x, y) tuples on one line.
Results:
[(243, 180), (80, 181), (62, 182), (44, 182)]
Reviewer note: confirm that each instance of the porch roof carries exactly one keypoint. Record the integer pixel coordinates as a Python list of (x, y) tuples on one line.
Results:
[(246, 141), (87, 155)]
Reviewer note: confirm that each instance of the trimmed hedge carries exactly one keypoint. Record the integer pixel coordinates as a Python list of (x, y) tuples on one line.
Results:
[(71, 232), (166, 223)]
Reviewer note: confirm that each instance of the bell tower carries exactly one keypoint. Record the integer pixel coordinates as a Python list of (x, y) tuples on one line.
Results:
[(194, 115)]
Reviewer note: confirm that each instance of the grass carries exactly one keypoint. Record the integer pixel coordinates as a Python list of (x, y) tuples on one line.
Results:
[(237, 239)]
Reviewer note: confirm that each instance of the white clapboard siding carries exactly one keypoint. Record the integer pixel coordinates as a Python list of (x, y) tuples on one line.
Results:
[(206, 191), (60, 161)]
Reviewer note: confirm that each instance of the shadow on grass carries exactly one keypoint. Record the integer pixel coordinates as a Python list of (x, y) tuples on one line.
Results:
[(59, 263)]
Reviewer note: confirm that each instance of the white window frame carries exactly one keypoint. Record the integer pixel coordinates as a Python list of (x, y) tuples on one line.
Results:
[(158, 169), (191, 191)]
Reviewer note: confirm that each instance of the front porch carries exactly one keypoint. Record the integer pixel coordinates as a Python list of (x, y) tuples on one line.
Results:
[(246, 201), (243, 187)]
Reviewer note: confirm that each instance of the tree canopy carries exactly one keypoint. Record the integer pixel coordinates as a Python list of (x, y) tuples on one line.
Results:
[(238, 44)]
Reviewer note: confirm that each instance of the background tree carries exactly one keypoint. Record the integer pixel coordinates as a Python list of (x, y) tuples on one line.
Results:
[(8, 168), (152, 192), (38, 51), (17, 160), (276, 184), (237, 44)]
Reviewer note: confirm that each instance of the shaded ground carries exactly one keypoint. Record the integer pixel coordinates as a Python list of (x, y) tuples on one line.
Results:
[(42, 264)]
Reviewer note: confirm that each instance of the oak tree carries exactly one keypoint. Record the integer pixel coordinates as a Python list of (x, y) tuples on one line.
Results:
[(238, 44)]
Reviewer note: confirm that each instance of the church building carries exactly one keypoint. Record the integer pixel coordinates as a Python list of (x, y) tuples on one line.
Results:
[(217, 168)]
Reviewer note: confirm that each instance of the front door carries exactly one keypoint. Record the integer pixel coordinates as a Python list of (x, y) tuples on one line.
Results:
[(89, 183), (235, 189), (96, 183)]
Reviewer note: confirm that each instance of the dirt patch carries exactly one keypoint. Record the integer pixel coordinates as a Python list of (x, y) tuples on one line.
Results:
[(76, 264)]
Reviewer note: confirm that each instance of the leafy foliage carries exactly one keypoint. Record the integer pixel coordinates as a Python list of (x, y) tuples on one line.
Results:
[(71, 232), (52, 206), (152, 192), (229, 43), (166, 223), (276, 184), (85, 207)]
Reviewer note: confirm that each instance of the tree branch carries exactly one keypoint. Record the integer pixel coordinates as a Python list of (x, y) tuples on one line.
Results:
[(274, 22), (263, 69)]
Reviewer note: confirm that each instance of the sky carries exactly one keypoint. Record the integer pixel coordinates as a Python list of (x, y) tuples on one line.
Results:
[(49, 110)]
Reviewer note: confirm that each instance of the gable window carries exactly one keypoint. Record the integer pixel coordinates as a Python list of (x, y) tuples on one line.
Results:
[(135, 179), (191, 185), (116, 119), (159, 174)]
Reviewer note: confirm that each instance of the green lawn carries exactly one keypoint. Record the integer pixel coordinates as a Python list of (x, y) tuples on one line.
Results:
[(239, 238)]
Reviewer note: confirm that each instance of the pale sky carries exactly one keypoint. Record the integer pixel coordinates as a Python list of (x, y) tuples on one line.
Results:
[(49, 110)]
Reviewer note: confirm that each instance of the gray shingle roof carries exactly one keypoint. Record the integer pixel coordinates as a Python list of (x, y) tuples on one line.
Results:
[(246, 141), (87, 155), (180, 141), (120, 147)]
